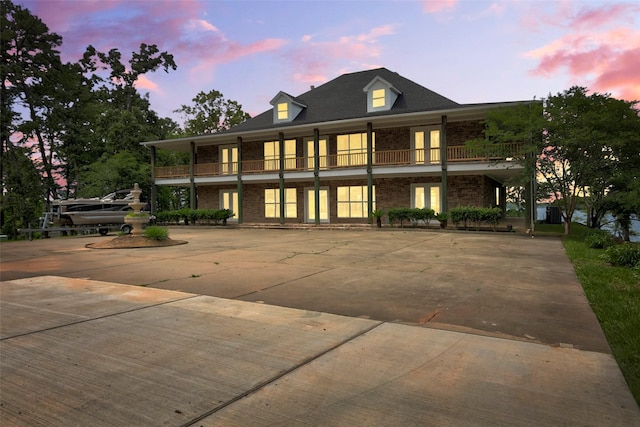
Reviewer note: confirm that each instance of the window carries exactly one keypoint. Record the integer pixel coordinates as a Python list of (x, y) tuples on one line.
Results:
[(378, 98), (322, 153), (425, 142), (272, 203), (229, 159), (229, 200), (352, 149), (283, 111), (425, 196), (272, 155), (353, 203)]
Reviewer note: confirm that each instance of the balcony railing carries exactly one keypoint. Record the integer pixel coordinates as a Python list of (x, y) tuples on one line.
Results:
[(457, 154)]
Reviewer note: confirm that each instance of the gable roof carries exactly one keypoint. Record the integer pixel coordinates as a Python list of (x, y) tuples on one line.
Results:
[(342, 98)]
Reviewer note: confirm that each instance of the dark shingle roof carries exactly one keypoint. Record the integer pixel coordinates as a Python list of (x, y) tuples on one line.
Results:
[(343, 98)]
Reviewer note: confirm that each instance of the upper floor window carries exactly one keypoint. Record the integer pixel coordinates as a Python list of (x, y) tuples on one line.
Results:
[(425, 143), (228, 159), (378, 98), (310, 153), (272, 155), (283, 111), (352, 149)]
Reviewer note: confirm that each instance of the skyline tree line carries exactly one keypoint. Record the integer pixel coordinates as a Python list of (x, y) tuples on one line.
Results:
[(74, 130)]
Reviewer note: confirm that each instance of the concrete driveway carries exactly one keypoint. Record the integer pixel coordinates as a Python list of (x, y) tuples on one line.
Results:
[(352, 328)]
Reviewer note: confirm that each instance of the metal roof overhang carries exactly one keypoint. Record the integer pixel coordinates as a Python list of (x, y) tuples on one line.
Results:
[(468, 112)]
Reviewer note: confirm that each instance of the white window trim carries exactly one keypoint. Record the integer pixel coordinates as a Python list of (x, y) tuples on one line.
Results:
[(306, 151), (221, 204), (277, 190), (364, 202), (307, 219), (234, 168), (427, 186), (427, 149)]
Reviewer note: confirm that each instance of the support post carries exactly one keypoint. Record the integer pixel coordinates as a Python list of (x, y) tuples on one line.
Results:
[(153, 198), (369, 171), (282, 164), (444, 200), (316, 175), (192, 167), (239, 168)]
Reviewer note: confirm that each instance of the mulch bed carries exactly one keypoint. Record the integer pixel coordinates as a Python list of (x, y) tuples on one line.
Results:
[(130, 241)]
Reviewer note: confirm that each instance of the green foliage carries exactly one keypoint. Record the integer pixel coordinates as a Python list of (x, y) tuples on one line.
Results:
[(599, 239), (21, 203), (579, 143), (623, 255), (614, 295), (378, 213), (156, 233), (113, 173), (211, 113), (193, 216), (469, 214), (413, 215), (442, 216)]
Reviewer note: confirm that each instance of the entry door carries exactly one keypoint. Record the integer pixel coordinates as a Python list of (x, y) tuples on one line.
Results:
[(310, 204), (229, 200)]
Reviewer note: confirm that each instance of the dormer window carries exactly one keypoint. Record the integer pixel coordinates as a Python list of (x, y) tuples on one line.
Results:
[(283, 111), (285, 108), (381, 95), (377, 98)]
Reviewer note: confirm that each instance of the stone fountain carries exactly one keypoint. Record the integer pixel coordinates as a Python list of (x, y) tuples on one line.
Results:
[(137, 219)]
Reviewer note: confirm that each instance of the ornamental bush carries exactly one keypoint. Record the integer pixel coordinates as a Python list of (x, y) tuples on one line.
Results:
[(623, 255), (156, 233), (194, 216)]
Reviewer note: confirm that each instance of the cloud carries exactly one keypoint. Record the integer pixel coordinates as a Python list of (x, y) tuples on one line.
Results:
[(597, 50), (313, 60), (144, 82), (437, 6)]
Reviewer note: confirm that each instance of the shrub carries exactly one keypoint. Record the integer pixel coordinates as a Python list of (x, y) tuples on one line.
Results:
[(399, 214), (475, 215), (624, 255), (156, 233), (599, 240), (194, 215)]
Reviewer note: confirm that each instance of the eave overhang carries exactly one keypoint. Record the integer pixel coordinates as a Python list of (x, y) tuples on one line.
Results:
[(457, 114)]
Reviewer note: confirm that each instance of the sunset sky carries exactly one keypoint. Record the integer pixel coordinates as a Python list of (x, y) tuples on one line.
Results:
[(469, 51)]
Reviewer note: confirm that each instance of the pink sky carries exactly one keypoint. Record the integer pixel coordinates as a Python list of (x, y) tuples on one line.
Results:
[(469, 51)]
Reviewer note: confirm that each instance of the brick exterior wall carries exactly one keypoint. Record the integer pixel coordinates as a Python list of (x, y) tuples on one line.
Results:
[(459, 132), (470, 190)]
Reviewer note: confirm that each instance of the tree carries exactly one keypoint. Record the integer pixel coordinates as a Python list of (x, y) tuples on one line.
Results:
[(28, 56), (112, 173), (211, 113), (521, 123), (588, 150)]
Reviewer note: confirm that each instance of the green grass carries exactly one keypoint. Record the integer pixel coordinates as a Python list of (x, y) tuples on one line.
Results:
[(614, 295)]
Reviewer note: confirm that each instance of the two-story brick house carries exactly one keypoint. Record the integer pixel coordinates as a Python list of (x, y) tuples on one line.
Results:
[(363, 141)]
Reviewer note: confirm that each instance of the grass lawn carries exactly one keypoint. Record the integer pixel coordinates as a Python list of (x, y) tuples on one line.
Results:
[(614, 295)]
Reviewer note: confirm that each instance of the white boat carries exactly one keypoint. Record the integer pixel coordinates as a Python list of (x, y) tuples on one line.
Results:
[(108, 210)]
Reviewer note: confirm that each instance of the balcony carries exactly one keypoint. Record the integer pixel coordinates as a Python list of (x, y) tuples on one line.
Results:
[(455, 154)]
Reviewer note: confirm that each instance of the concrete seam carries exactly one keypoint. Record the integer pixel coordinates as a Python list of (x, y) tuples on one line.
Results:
[(281, 375), (98, 318)]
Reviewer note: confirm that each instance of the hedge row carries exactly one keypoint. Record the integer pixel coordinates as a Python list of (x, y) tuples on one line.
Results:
[(194, 215), (467, 215), (413, 215)]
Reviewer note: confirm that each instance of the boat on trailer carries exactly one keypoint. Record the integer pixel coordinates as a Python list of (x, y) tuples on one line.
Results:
[(100, 212)]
